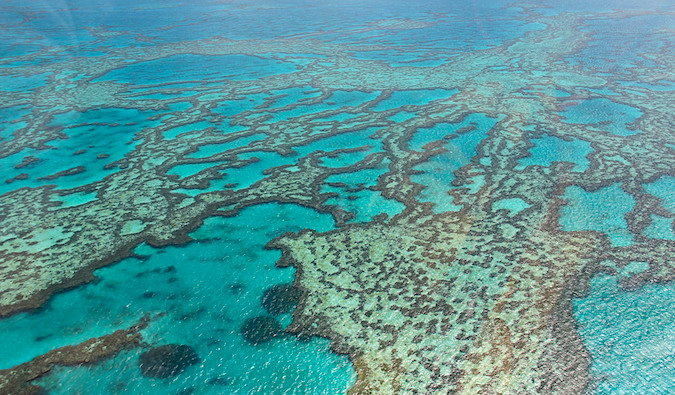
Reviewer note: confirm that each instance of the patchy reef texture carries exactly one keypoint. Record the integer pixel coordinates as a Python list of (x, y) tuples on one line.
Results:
[(17, 380), (475, 299), (167, 361)]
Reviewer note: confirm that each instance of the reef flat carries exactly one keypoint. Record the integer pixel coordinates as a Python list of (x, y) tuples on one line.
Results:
[(457, 277)]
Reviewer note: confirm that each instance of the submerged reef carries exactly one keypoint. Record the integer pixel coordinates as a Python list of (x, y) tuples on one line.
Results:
[(471, 299), (18, 379), (487, 295), (167, 361), (258, 330), (280, 298)]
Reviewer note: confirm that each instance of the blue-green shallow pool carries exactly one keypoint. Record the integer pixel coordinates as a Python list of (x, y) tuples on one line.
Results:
[(207, 288), (630, 336)]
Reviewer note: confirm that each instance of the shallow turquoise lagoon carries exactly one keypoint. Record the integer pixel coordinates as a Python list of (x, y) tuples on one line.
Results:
[(610, 116), (179, 68), (198, 294), (194, 134), (603, 210), (437, 174), (548, 149), (628, 356)]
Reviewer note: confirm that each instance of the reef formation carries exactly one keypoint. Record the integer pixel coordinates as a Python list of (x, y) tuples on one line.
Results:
[(280, 298), (258, 330), (18, 379), (473, 299), (167, 361)]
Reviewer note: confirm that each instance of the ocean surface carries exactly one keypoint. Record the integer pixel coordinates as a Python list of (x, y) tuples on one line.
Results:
[(323, 197)]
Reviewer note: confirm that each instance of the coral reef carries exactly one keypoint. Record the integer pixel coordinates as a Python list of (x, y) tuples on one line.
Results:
[(475, 300), (258, 330), (280, 298), (17, 380), (167, 361)]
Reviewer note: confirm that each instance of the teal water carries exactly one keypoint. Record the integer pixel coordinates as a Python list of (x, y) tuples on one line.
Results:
[(79, 147), (512, 205), (356, 194), (661, 228), (603, 210), (207, 289), (280, 82), (404, 98), (630, 335), (438, 173), (549, 149), (663, 189), (336, 101), (609, 116), (178, 68)]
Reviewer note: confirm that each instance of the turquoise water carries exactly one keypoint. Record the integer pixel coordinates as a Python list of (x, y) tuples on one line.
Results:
[(155, 120), (663, 189), (548, 149), (207, 289), (80, 147), (628, 356), (178, 69), (438, 173), (660, 228), (610, 116), (603, 210)]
